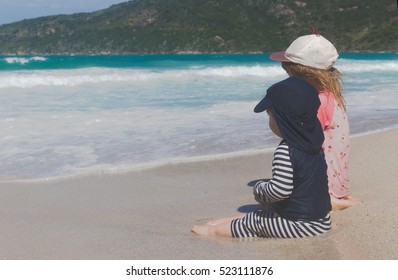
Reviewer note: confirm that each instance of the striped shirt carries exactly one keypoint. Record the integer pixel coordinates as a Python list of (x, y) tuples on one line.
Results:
[(268, 223), (281, 185)]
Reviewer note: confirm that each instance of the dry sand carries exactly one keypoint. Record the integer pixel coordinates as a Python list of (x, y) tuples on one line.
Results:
[(148, 214)]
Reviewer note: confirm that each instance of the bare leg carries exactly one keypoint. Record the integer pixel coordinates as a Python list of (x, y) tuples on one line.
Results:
[(220, 227), (341, 203), (223, 220)]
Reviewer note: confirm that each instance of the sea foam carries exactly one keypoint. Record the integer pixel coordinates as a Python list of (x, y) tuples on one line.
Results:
[(63, 121), (76, 77), (23, 60)]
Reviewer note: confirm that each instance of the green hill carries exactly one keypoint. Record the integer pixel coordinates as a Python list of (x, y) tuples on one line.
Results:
[(175, 26)]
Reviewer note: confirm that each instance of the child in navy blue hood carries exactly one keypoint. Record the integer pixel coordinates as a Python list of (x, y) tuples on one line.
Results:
[(296, 201)]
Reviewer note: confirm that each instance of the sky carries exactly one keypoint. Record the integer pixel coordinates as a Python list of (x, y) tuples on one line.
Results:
[(16, 10)]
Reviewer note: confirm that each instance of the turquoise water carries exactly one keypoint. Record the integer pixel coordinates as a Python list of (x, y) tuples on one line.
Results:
[(159, 62), (63, 115)]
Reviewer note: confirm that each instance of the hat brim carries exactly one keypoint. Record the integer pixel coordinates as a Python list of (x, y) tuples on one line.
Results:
[(279, 56), (263, 105)]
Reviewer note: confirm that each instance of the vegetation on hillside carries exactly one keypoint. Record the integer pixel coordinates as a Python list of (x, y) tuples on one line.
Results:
[(206, 26)]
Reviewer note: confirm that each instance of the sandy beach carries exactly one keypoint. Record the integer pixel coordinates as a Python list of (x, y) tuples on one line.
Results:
[(148, 214)]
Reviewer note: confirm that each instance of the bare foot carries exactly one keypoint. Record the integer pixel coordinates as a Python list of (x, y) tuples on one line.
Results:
[(201, 229), (341, 203)]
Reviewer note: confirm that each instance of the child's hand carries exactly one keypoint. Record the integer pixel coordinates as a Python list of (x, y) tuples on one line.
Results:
[(254, 182), (259, 193), (263, 204)]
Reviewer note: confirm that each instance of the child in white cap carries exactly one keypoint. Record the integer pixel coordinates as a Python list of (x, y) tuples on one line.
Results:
[(311, 57)]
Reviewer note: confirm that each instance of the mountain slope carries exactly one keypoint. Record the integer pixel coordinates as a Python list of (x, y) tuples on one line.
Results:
[(173, 26)]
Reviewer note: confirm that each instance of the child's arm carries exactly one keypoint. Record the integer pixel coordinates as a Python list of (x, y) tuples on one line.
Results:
[(281, 185), (326, 109)]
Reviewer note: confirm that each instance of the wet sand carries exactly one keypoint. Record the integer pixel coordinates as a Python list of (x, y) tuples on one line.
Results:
[(148, 214)]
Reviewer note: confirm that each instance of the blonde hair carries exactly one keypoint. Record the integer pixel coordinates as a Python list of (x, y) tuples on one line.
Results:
[(321, 79)]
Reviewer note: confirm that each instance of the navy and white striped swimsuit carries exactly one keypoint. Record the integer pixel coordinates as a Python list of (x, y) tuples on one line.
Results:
[(268, 223)]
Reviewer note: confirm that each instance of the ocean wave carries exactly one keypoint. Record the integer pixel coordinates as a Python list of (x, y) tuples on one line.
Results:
[(76, 77), (235, 71), (97, 75), (23, 60), (114, 117), (367, 66)]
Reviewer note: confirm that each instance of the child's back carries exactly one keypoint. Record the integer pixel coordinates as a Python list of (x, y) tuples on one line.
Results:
[(309, 199), (297, 195)]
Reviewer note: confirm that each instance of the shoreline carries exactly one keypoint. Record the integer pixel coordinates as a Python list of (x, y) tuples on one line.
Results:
[(169, 162), (148, 214)]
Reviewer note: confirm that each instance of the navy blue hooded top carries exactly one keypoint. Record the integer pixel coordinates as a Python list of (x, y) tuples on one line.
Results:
[(294, 104)]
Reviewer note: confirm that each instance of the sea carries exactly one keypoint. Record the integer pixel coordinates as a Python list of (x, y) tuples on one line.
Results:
[(64, 116)]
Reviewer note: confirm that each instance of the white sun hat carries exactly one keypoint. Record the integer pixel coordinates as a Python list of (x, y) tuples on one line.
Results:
[(309, 50)]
